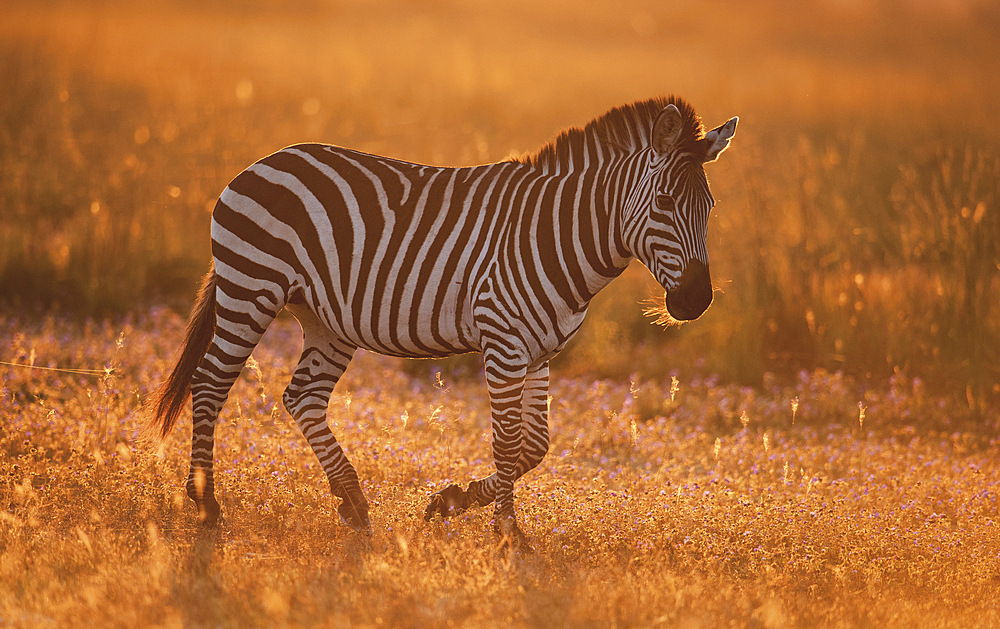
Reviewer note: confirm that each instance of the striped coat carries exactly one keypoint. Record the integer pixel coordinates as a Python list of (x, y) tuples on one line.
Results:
[(419, 261)]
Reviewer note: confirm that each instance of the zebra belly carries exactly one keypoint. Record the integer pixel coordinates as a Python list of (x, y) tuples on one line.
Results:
[(427, 325)]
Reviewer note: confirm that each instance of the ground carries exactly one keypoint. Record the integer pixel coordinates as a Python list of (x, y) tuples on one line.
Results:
[(678, 502)]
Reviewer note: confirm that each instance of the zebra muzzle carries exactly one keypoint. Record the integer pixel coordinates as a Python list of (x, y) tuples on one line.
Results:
[(693, 293)]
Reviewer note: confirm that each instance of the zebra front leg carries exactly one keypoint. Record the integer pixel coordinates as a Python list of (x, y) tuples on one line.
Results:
[(453, 500), (505, 384), (324, 359), (506, 388)]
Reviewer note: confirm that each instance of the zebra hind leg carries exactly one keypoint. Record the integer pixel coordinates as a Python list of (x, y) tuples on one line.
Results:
[(324, 359), (236, 335)]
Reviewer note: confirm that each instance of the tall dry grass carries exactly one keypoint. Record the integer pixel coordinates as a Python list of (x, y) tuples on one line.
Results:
[(662, 503)]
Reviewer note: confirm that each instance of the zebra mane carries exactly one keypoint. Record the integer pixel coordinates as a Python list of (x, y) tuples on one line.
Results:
[(621, 131)]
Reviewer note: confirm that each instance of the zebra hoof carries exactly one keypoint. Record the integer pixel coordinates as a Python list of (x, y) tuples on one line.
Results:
[(512, 538), (210, 521), (209, 513), (359, 523), (449, 502), (362, 526), (353, 512)]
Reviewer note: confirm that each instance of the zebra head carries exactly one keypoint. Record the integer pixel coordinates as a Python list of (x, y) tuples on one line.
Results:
[(674, 207)]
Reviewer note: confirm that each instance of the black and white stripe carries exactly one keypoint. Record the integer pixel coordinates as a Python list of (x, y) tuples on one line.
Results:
[(418, 261)]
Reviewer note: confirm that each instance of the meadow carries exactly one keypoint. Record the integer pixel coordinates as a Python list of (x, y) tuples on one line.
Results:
[(820, 449), (663, 503)]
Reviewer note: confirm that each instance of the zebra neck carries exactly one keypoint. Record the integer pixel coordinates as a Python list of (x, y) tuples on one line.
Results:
[(586, 234), (627, 195)]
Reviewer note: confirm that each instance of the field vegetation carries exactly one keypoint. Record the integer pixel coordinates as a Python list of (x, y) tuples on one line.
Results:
[(662, 503), (820, 449)]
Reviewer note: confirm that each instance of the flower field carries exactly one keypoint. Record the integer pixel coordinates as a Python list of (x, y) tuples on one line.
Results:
[(662, 503)]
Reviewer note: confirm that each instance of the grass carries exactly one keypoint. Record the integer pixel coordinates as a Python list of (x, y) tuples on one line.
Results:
[(712, 505)]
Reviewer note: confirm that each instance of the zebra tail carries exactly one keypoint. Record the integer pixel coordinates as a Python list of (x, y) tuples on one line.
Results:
[(163, 409)]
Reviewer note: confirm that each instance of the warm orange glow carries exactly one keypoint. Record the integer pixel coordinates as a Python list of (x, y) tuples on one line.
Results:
[(818, 449)]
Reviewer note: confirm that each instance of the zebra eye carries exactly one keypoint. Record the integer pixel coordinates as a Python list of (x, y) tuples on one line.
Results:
[(665, 202)]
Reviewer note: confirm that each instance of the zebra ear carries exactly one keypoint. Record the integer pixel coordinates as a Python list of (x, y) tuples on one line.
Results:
[(718, 139), (666, 129)]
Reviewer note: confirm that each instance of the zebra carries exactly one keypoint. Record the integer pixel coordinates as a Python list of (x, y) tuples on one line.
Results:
[(418, 261)]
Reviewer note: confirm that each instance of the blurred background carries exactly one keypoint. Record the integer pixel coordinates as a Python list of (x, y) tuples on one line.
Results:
[(857, 219)]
